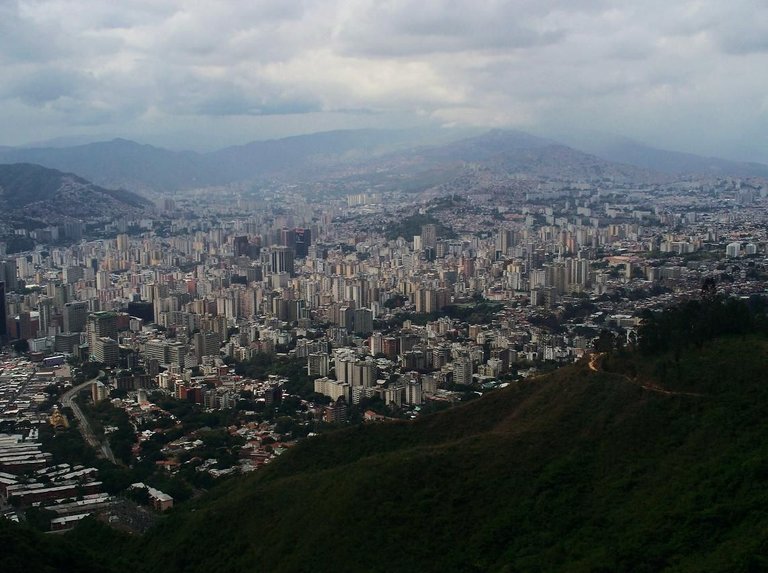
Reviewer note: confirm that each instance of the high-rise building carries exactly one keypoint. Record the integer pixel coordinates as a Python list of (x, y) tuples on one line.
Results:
[(363, 321), (45, 310), (165, 352), (414, 392), (99, 392), (362, 373), (24, 326), (303, 240), (106, 351), (75, 316), (240, 246), (287, 237), (123, 242), (429, 236), (318, 364), (70, 275), (3, 313), (336, 413), (101, 325), (206, 344), (8, 274), (281, 259), (102, 280), (334, 389), (62, 294), (177, 351), (155, 350), (376, 343), (504, 240), (73, 230), (66, 342), (462, 371)]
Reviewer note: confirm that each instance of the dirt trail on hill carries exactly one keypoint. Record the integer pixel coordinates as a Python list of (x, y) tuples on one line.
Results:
[(594, 366)]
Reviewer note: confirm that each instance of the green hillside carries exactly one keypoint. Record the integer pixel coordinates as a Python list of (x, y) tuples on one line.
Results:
[(25, 550), (580, 470)]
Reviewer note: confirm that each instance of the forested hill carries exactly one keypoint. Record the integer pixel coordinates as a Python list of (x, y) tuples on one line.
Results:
[(643, 460)]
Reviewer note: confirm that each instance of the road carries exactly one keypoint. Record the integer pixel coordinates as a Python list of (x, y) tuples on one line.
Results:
[(67, 400), (593, 358)]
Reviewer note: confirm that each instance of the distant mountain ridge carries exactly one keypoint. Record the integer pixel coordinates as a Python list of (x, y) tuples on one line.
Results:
[(632, 152), (140, 167), (121, 163), (518, 152), (495, 162)]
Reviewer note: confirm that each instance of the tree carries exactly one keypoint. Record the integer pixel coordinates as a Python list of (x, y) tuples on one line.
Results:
[(605, 341), (21, 346), (39, 518)]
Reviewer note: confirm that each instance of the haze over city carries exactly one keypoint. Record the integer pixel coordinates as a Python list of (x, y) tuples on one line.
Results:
[(683, 76)]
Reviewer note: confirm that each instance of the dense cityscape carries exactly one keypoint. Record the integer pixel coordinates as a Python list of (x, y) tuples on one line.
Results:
[(152, 357)]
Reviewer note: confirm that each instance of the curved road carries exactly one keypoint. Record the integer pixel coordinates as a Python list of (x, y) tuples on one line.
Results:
[(67, 400)]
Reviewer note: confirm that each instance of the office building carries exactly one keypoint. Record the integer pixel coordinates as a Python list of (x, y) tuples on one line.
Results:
[(106, 351), (101, 325), (281, 259), (8, 274), (3, 313), (75, 315)]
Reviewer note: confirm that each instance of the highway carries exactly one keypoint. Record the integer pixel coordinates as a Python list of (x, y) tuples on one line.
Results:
[(67, 400)]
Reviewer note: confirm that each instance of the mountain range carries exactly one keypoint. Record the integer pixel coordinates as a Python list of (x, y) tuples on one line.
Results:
[(625, 150), (145, 168)]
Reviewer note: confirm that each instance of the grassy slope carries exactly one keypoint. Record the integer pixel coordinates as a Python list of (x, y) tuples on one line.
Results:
[(578, 471)]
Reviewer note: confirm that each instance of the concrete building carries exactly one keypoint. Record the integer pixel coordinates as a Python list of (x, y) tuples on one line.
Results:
[(318, 363), (281, 259), (99, 392), (101, 325), (8, 274), (106, 351), (462, 371), (333, 389), (75, 315), (206, 344)]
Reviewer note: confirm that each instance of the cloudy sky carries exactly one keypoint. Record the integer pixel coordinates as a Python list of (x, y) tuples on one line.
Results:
[(688, 75)]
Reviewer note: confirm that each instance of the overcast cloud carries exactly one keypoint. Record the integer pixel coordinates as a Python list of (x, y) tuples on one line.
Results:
[(689, 75)]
